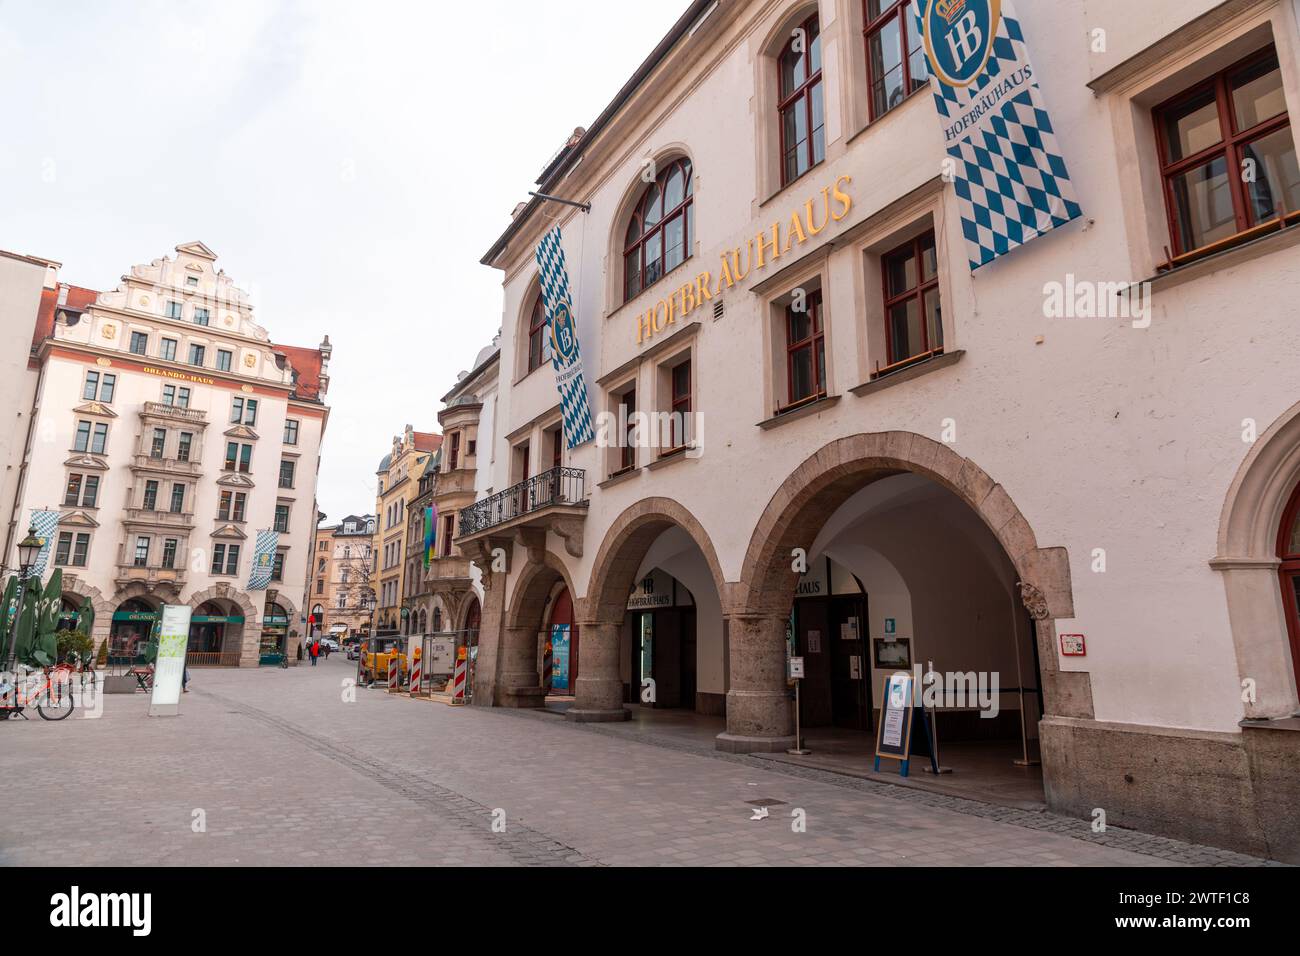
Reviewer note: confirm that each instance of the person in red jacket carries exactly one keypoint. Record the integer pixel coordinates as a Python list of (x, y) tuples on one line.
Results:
[(315, 652)]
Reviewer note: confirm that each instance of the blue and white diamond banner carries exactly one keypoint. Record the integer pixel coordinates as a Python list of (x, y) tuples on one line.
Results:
[(263, 560), (46, 524), (565, 355), (1012, 182)]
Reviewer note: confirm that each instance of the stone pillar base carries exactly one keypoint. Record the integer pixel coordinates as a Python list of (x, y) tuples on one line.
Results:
[(735, 744), (597, 716), (523, 698)]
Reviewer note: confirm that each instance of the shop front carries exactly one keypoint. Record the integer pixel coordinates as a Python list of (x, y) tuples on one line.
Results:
[(660, 633), (275, 636), (133, 623), (216, 633)]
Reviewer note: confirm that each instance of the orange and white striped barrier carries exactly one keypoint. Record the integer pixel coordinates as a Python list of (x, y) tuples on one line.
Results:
[(394, 674), (460, 682), (417, 677)]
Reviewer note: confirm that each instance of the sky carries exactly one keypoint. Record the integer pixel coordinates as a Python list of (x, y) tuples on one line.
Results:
[(349, 162)]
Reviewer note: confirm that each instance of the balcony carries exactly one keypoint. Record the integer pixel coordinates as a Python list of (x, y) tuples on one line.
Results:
[(174, 413), (552, 501), (168, 520), (150, 576), (458, 482), (448, 574), (167, 466)]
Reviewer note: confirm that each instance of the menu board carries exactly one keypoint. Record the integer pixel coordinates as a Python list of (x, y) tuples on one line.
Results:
[(894, 736)]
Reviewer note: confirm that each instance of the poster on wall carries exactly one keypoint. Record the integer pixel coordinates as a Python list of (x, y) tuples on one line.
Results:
[(169, 668), (560, 659)]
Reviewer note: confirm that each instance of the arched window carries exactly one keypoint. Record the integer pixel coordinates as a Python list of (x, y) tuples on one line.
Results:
[(1288, 549), (539, 338), (437, 620), (661, 229), (802, 107)]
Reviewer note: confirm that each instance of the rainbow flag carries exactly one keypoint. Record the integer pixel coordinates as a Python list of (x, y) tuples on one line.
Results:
[(430, 533)]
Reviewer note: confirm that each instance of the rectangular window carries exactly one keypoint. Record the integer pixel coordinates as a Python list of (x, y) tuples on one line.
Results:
[(627, 409), (218, 558), (182, 397), (238, 457), (192, 281), (139, 343), (236, 410), (455, 451), (82, 442), (72, 494), (896, 64), (287, 469), (277, 567), (1209, 136), (173, 310), (913, 318), (245, 458), (183, 446), (99, 443), (159, 445), (282, 519), (224, 505), (448, 532), (681, 407), (91, 387), (290, 431), (250, 412), (141, 552), (232, 559), (178, 499), (241, 500), (81, 550), (805, 350), (107, 386), (197, 354), (150, 502), (202, 317), (63, 550), (224, 359), (169, 553), (167, 350), (169, 394), (90, 497)]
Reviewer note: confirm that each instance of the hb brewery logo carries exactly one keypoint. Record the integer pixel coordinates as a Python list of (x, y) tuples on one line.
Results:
[(563, 335), (959, 37)]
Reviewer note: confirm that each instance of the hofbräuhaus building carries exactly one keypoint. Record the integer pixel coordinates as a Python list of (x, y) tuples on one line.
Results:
[(831, 421)]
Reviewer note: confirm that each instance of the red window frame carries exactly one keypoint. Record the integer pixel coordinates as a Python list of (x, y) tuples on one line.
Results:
[(814, 343), (538, 328), (801, 97), (1231, 147), (680, 407), (638, 237), (1288, 573), (915, 248), (901, 11)]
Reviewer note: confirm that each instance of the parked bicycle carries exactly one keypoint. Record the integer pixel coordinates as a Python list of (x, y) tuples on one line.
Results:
[(52, 692)]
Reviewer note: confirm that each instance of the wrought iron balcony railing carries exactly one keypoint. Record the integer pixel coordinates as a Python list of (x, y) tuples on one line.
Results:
[(559, 486)]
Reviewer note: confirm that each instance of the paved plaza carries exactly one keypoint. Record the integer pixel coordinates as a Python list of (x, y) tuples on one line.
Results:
[(273, 767)]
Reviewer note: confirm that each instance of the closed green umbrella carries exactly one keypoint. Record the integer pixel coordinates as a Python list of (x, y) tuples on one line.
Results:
[(7, 614), (46, 651), (86, 618), (28, 617)]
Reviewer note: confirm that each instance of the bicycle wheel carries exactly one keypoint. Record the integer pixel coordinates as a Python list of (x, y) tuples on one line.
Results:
[(56, 701)]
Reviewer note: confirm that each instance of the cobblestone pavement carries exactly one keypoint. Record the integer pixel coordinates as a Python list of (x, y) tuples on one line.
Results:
[(275, 767)]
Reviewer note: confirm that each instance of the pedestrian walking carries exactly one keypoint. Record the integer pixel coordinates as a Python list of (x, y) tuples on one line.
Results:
[(185, 679), (315, 652)]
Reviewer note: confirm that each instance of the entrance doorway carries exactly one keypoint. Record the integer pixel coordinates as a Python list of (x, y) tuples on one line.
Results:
[(562, 640), (216, 632), (830, 631), (663, 651), (133, 623)]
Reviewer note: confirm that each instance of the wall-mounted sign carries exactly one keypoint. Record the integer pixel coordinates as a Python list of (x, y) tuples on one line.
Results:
[(849, 630), (181, 376), (796, 668), (893, 652), (828, 207), (1074, 645)]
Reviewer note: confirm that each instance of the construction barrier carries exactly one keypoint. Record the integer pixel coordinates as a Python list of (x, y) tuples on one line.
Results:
[(417, 677), (460, 682), (394, 674)]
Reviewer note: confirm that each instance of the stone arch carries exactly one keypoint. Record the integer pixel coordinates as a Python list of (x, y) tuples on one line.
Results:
[(466, 605), (532, 592), (155, 594), (84, 590), (250, 635), (1249, 525), (760, 602), (519, 682), (624, 548)]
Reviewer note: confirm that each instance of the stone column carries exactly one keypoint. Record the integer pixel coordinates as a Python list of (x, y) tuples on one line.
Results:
[(520, 684), (486, 673), (760, 717), (599, 684)]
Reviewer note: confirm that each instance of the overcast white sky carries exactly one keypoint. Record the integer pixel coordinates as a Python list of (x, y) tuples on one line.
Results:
[(349, 162)]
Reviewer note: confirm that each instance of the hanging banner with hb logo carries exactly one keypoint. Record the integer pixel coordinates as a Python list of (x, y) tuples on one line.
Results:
[(263, 560), (46, 524), (565, 356), (1012, 182)]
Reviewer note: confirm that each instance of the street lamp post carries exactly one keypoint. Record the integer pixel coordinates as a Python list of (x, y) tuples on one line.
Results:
[(29, 550), (369, 604)]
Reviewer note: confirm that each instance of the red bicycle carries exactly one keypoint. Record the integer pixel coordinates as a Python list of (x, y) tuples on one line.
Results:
[(52, 692)]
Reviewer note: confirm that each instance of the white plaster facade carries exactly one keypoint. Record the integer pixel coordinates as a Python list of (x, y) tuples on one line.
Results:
[(161, 388)]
